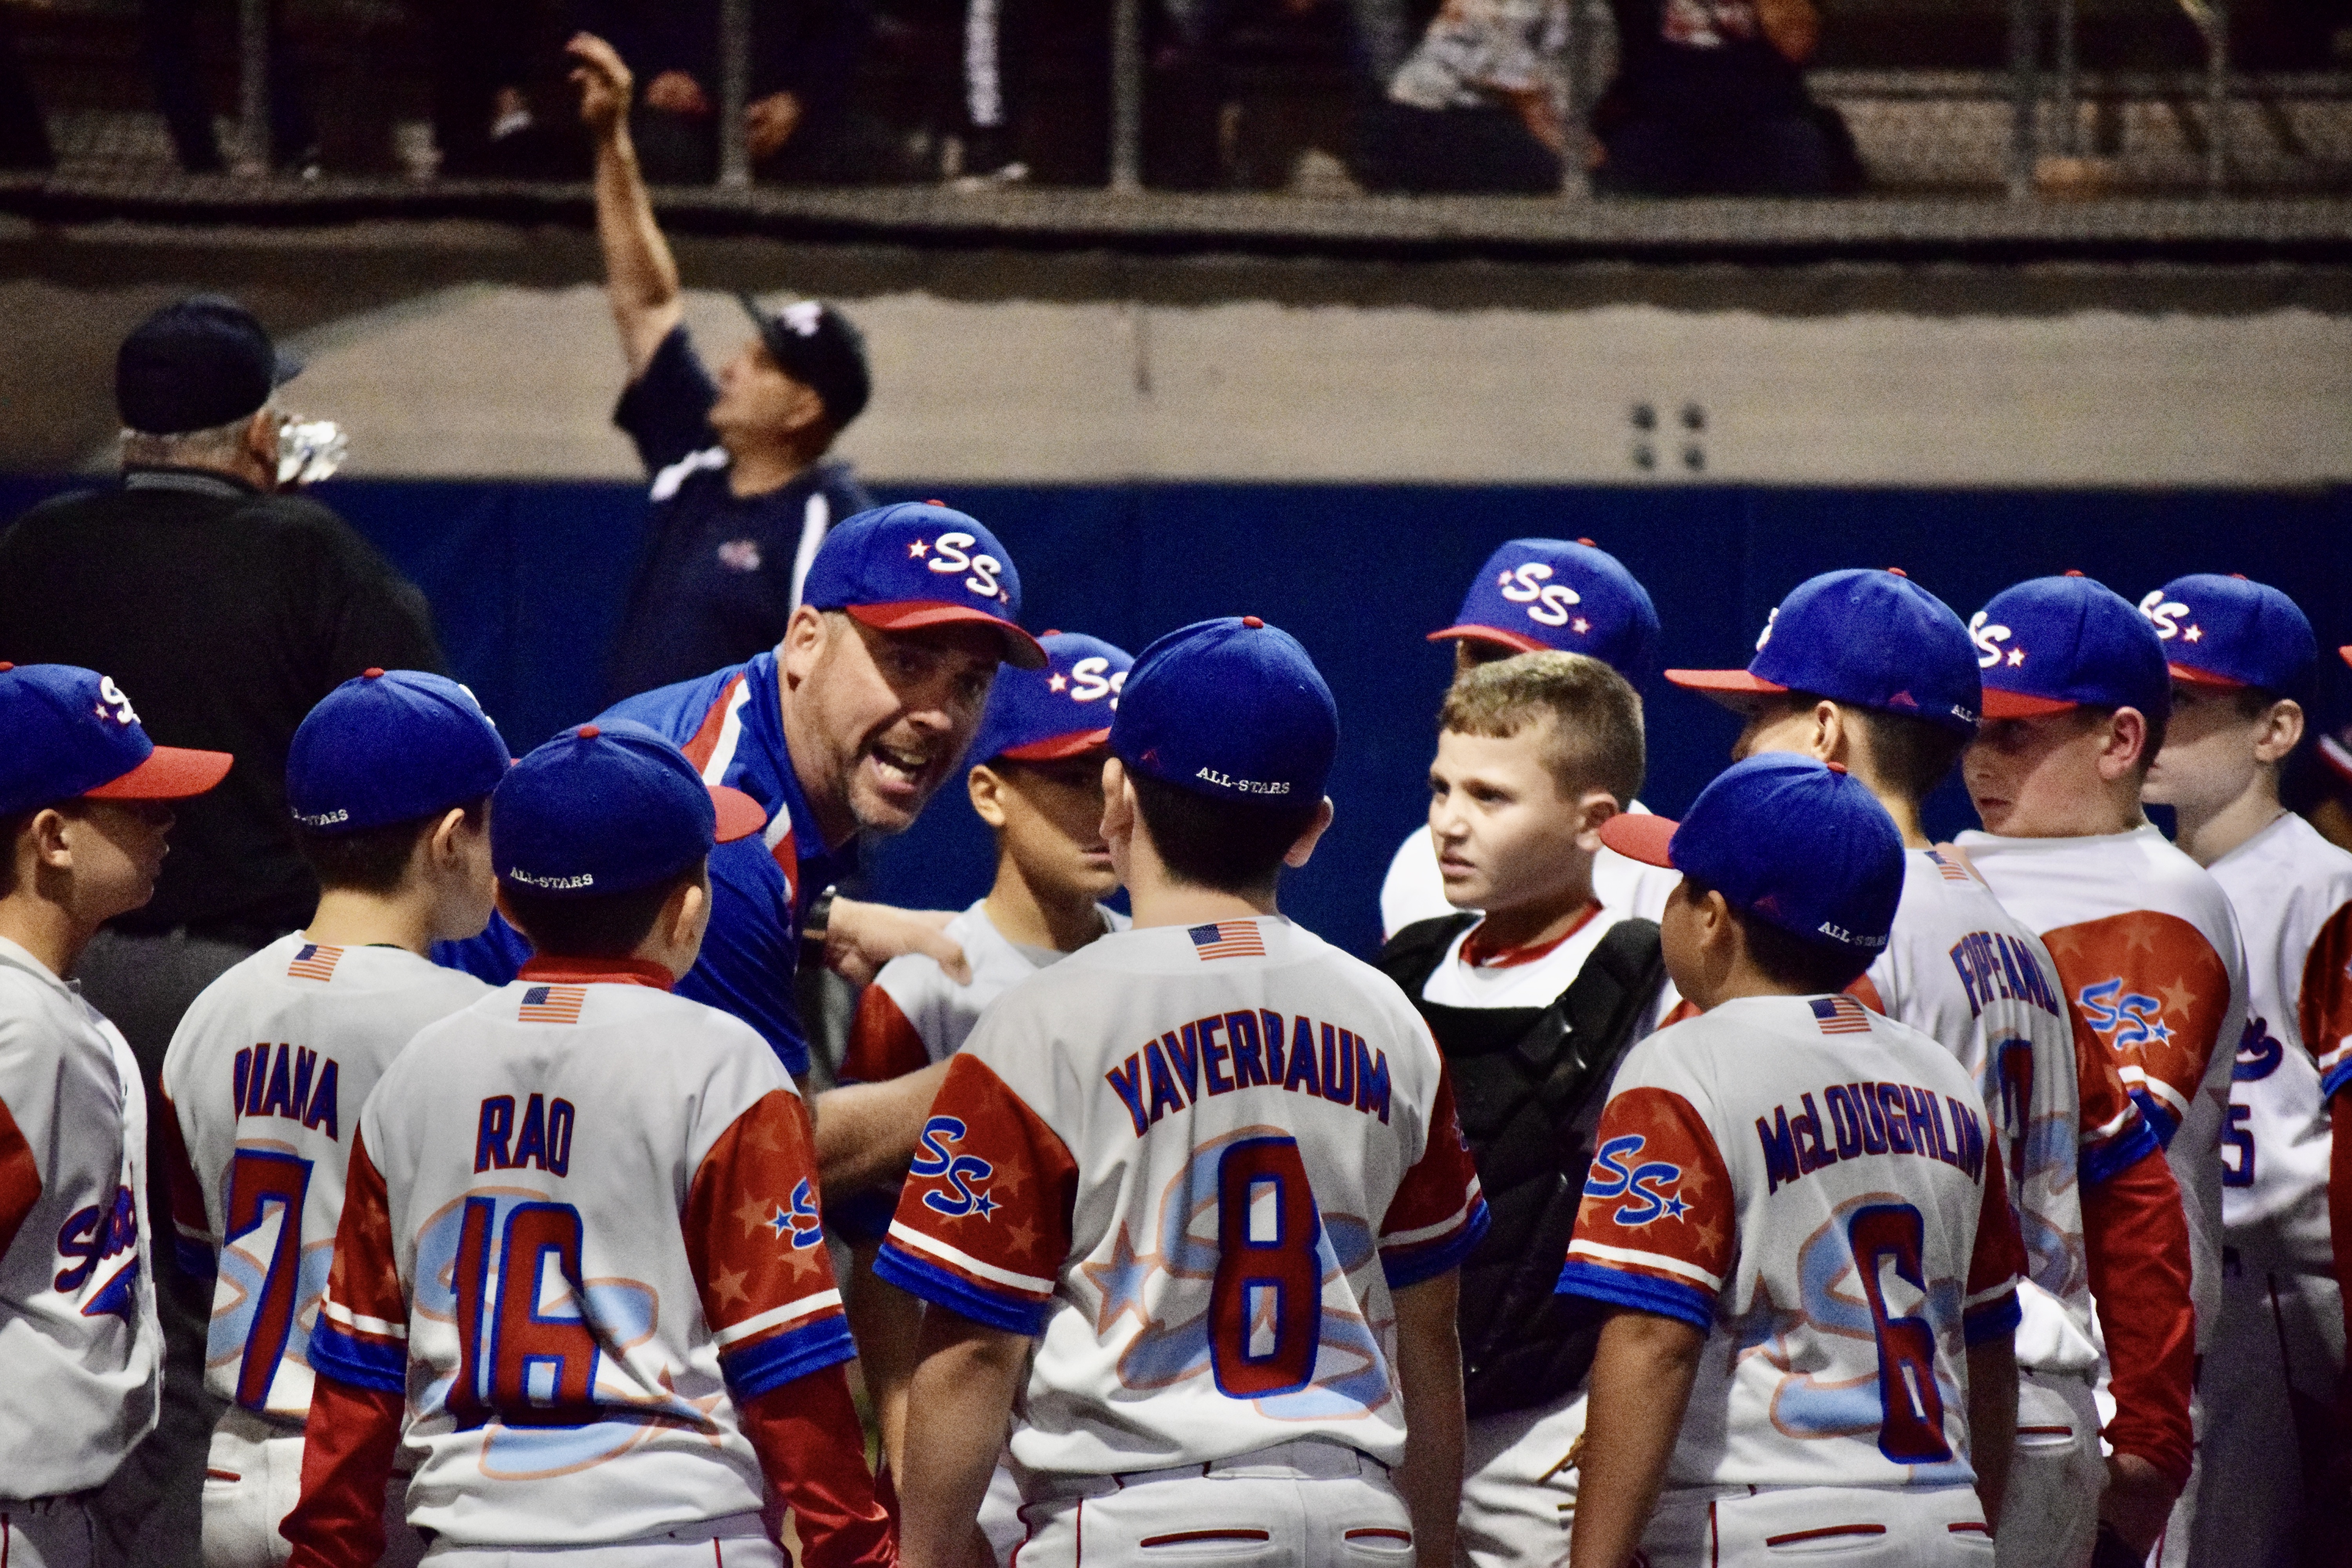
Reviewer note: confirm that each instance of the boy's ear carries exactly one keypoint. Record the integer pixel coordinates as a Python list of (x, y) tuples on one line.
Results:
[(1119, 818), (2282, 730), (441, 844), (1303, 850), (1593, 808), (986, 788)]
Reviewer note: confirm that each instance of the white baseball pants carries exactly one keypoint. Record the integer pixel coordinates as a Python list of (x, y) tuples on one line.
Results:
[(1853, 1527), (253, 1479), (2049, 1516)]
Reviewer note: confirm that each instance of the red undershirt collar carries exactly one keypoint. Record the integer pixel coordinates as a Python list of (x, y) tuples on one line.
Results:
[(597, 971), (1477, 955)]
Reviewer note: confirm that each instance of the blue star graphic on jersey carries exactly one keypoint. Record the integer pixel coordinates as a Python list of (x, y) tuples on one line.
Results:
[(983, 1205), (780, 1222), (1677, 1208), (1120, 1280)]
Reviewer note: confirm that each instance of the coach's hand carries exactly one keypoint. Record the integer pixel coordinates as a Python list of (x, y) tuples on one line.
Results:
[(2137, 1502), (860, 938), (603, 81)]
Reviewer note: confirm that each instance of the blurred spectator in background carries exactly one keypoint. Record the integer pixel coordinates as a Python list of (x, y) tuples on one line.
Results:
[(742, 490), (1190, 97), (24, 139), (1474, 109), (481, 60), (988, 155), (169, 40), (231, 610), (1710, 99), (804, 57)]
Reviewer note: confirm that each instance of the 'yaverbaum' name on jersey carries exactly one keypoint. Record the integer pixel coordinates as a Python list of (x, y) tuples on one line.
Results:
[(1185, 1064), (1994, 967), (1867, 1119), (298, 1083)]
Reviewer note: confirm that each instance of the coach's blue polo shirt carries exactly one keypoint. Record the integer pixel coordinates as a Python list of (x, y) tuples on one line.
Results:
[(715, 584), (729, 724)]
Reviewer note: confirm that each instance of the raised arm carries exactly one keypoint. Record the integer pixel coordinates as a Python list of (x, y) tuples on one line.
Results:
[(640, 273)]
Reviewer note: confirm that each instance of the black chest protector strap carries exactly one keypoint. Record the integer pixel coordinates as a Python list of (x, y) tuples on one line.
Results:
[(1529, 1083)]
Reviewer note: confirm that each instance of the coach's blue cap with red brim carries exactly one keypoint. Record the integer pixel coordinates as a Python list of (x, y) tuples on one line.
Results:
[(1062, 710), (1787, 839), (2054, 643), (1233, 708), (390, 746), (919, 563), (608, 807), (1535, 595), (1875, 639), (70, 733), (2230, 632)]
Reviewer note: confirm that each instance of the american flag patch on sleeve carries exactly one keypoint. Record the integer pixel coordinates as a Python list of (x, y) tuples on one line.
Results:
[(1949, 871), (312, 962), (552, 1004), (1840, 1015), (1228, 938)]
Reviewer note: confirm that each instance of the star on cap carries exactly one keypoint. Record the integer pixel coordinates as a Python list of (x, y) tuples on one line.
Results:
[(2193, 634), (1581, 625), (916, 549), (1058, 683), (2016, 657), (1503, 579)]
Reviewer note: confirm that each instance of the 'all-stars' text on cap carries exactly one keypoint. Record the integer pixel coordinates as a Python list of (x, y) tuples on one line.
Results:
[(390, 746), (607, 808), (1231, 708)]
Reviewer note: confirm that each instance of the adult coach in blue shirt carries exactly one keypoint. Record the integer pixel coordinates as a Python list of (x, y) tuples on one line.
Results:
[(742, 490)]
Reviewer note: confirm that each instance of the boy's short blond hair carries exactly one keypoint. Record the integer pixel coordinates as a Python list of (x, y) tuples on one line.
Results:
[(1594, 740)]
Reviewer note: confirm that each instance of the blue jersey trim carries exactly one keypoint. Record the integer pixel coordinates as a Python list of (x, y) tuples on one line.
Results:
[(763, 1364), (362, 1363), (1661, 1297), (1992, 1319), (2103, 1163), (916, 1277), (1411, 1265), (2337, 1076), (2157, 1116)]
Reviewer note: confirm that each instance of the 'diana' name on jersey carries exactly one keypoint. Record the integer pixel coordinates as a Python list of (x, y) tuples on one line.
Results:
[(1870, 1118), (296, 1083), (1228, 1051), (1995, 966)]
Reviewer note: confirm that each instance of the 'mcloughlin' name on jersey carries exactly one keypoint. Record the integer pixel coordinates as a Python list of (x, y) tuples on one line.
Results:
[(1244, 1049), (1868, 1119)]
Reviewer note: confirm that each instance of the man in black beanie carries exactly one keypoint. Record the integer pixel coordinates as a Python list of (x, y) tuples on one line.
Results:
[(229, 610)]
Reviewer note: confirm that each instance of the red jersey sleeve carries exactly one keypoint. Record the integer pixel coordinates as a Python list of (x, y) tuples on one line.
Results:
[(2136, 1240), (984, 1222), (2324, 1006), (2111, 1133), (192, 1242), (362, 1336), (2151, 989), (1995, 1265), (1659, 1219), (756, 1243), (1438, 1214), (883, 1043), (798, 1430), (20, 1178)]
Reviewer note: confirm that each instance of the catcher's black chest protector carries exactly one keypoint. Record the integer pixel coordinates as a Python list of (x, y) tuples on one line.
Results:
[(1529, 1083)]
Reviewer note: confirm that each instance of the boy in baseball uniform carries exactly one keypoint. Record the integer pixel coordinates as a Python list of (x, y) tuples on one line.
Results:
[(1797, 1217), (1537, 595), (82, 827), (388, 783), (1533, 991), (1868, 670), (580, 1276), (2077, 696), (2242, 655), (1190, 1202), (1037, 781)]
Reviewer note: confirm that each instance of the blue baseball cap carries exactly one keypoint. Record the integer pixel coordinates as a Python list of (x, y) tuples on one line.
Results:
[(390, 746), (2054, 643), (1231, 708), (2228, 631), (608, 807), (1535, 595), (920, 563), (1062, 710), (71, 734), (1787, 839), (1875, 639), (195, 364)]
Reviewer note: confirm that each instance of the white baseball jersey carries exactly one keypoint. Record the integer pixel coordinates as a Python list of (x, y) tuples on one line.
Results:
[(1194, 1162), (1413, 890), (81, 1348), (914, 1015), (1812, 1185), (2147, 948), (265, 1080), (2292, 890), (579, 1217), (1471, 975)]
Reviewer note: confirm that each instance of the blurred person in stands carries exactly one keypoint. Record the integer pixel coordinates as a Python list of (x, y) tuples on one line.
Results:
[(1473, 109), (742, 489), (168, 39), (1710, 99), (1190, 90), (23, 137), (804, 57), (231, 610)]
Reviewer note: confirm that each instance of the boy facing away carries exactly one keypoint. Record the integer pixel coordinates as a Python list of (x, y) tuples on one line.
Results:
[(1797, 1217), (389, 782), (580, 1261), (1191, 1201)]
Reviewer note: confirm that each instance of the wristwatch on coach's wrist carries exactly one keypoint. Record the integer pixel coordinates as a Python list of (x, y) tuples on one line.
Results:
[(814, 926)]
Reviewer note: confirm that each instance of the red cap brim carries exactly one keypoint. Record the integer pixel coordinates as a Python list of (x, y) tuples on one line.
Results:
[(1726, 686), (1639, 836), (739, 816), (2344, 654), (1021, 650), (2332, 751), (1057, 748), (1999, 704), (2192, 676), (1491, 634), (170, 773)]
